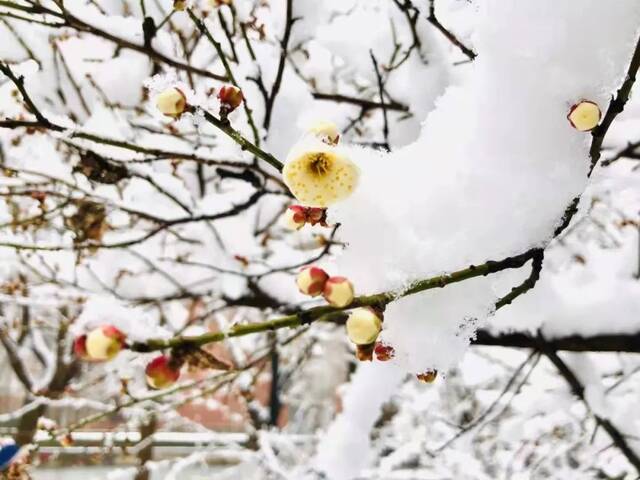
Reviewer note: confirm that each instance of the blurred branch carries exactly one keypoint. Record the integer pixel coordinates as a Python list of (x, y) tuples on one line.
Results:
[(284, 45), (15, 361), (69, 20), (619, 342), (619, 439), (532, 359), (627, 152), (205, 31), (368, 104), (19, 83), (385, 119)]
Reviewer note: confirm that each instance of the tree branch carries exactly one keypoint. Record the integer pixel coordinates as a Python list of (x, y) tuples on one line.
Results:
[(284, 45), (629, 343), (433, 20), (329, 313), (619, 439)]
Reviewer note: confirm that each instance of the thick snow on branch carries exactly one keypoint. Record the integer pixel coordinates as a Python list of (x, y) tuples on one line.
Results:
[(494, 168)]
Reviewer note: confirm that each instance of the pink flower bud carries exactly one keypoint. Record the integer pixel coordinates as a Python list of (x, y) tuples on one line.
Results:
[(338, 292), (104, 343), (295, 217), (311, 281), (162, 372), (231, 97)]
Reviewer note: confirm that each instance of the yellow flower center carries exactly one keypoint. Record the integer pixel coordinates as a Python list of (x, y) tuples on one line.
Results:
[(319, 164)]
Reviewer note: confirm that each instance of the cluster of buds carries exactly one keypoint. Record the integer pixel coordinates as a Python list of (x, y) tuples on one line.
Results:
[(230, 98), (100, 344), (584, 116), (162, 372), (297, 216), (314, 281), (172, 101)]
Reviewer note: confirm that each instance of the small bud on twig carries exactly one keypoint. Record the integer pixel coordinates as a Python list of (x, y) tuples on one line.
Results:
[(584, 116)]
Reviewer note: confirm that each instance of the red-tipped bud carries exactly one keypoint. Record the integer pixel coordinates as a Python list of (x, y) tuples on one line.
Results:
[(104, 343), (162, 372), (338, 292), (384, 352), (295, 217), (80, 347), (427, 376), (311, 281), (231, 97), (584, 116)]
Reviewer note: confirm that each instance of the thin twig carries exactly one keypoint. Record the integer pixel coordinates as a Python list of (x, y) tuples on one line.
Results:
[(450, 36)]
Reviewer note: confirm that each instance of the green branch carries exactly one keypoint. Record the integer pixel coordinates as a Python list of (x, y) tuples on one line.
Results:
[(329, 313), (245, 144)]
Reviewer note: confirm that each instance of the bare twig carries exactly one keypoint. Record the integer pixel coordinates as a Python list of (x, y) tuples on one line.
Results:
[(450, 36)]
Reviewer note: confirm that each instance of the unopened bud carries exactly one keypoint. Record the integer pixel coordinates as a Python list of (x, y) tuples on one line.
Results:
[(230, 97), (171, 102), (104, 343), (162, 372), (363, 326), (338, 292), (295, 217), (311, 281), (584, 116)]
